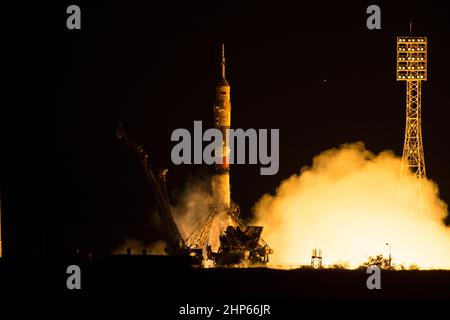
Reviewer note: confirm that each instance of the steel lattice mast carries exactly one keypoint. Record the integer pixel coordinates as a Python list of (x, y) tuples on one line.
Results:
[(412, 68)]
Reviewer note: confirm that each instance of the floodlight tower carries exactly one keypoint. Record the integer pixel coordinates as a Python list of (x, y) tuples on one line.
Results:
[(412, 68)]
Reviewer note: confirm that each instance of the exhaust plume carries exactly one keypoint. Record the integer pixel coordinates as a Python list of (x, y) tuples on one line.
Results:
[(351, 203)]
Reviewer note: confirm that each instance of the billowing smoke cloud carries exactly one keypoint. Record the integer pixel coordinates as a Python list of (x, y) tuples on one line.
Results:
[(194, 204), (350, 203)]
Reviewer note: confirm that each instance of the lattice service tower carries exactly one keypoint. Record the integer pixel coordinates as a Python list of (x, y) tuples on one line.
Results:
[(412, 68)]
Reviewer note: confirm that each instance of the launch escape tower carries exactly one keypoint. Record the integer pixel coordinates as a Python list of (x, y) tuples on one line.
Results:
[(412, 68)]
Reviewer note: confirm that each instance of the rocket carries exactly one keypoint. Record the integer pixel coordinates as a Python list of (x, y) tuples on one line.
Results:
[(222, 121)]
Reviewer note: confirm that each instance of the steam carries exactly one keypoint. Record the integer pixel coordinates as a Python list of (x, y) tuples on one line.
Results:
[(350, 203), (194, 204)]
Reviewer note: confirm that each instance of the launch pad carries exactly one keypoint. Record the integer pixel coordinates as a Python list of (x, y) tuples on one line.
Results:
[(238, 243)]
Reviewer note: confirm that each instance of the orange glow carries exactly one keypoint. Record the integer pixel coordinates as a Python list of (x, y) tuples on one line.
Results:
[(350, 203)]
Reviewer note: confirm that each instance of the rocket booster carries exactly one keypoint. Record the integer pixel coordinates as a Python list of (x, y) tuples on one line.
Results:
[(222, 121)]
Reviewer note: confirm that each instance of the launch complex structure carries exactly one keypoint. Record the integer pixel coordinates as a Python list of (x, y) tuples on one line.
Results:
[(238, 242), (235, 242)]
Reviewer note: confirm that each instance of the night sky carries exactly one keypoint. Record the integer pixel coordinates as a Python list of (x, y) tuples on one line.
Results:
[(314, 71)]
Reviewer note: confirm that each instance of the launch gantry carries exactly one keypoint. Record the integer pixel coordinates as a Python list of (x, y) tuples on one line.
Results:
[(238, 242)]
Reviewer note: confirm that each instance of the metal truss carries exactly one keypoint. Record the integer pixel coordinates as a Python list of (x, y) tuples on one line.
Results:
[(413, 156)]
